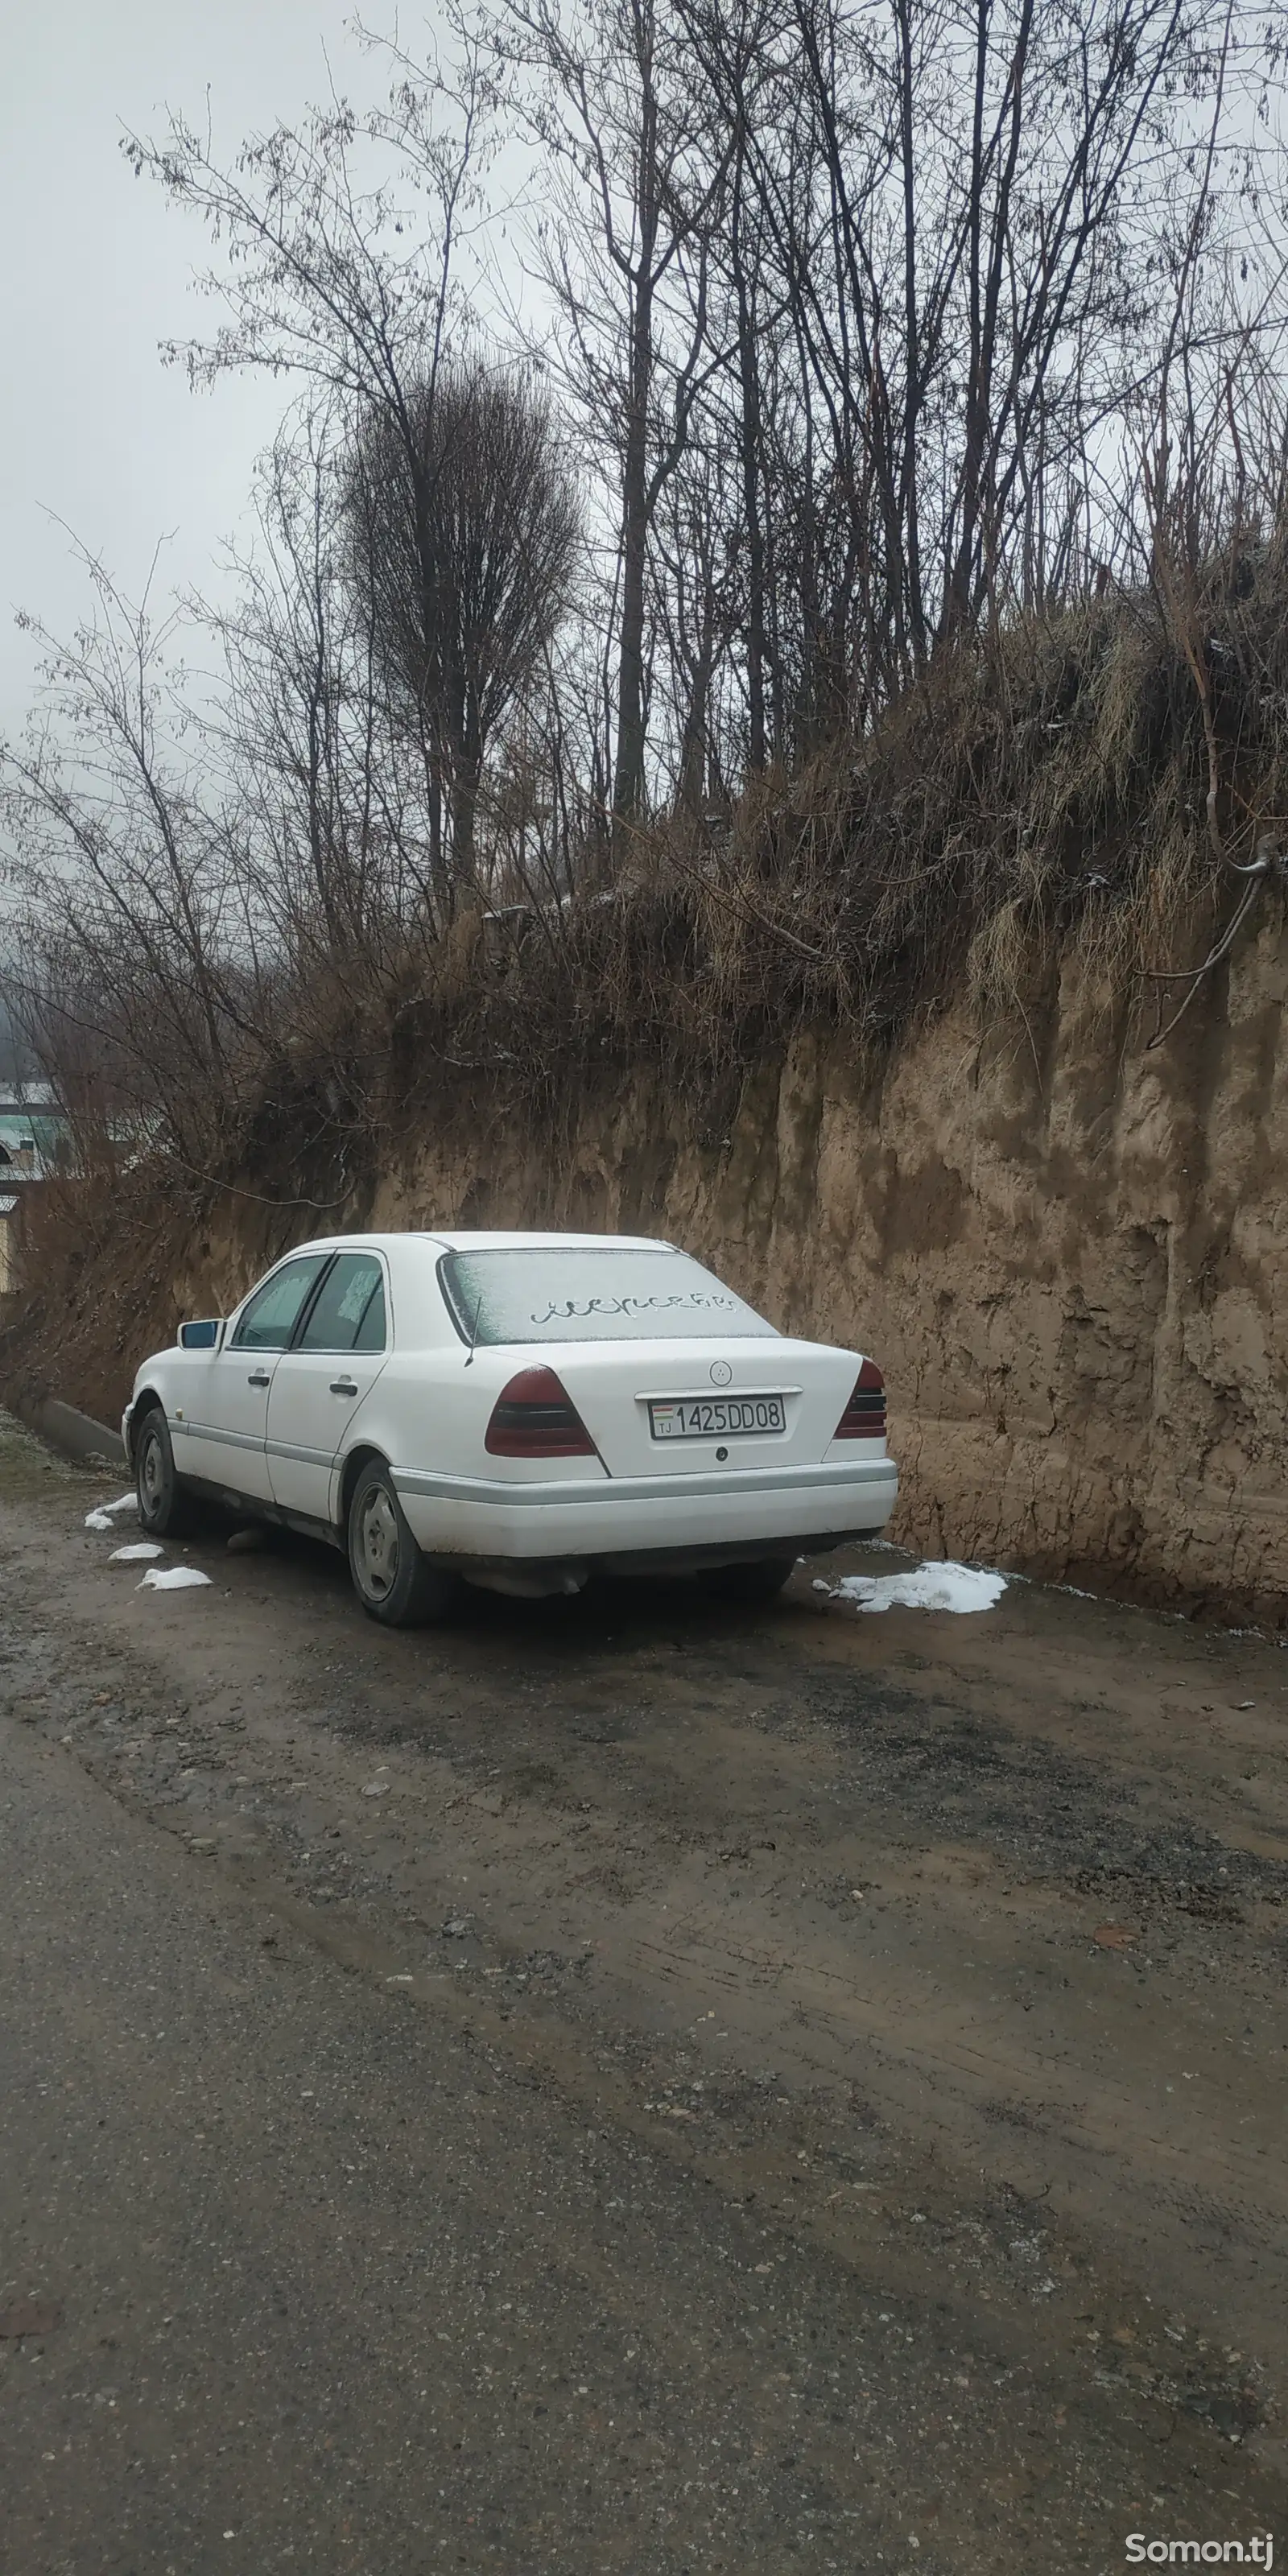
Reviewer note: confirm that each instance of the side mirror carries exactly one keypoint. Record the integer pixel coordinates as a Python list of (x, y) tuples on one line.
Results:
[(201, 1337)]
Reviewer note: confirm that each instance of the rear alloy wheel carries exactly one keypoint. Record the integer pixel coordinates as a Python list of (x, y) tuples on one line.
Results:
[(755, 1580), (165, 1511), (390, 1576)]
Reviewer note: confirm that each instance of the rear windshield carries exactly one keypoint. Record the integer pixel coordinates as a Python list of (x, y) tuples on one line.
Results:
[(591, 1296)]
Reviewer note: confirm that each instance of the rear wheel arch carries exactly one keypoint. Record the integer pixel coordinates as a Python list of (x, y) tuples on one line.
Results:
[(393, 1580), (365, 1455)]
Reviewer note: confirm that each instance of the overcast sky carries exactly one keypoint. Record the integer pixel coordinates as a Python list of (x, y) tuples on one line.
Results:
[(97, 270)]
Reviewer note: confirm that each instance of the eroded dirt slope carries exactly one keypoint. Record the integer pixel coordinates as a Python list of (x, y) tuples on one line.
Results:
[(1069, 1254)]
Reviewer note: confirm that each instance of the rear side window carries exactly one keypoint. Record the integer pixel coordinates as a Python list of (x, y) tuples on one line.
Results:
[(350, 1310), (613, 1295), (268, 1322)]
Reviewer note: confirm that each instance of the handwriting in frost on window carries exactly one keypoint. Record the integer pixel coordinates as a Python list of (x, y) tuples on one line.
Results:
[(576, 1310)]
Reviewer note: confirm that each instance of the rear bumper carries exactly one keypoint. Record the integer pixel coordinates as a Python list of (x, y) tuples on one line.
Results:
[(627, 1515)]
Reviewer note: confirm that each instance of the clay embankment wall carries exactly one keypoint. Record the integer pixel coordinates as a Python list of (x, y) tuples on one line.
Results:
[(1067, 1253)]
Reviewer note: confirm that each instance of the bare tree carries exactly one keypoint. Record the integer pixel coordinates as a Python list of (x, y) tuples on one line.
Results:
[(342, 278), (854, 316), (629, 189), (465, 535), (134, 944)]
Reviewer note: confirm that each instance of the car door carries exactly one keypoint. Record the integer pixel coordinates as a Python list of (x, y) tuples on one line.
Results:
[(336, 1356), (222, 1434)]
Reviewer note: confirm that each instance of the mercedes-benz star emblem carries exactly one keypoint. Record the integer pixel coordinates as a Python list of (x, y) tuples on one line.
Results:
[(720, 1372)]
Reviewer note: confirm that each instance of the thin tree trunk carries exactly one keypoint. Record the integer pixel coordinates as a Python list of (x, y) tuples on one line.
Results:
[(628, 779), (749, 380)]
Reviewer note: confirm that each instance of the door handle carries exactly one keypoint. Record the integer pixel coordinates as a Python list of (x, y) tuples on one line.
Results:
[(259, 1377), (343, 1386)]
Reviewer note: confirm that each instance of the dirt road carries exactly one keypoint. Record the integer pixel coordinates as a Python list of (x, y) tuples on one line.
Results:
[(626, 2085)]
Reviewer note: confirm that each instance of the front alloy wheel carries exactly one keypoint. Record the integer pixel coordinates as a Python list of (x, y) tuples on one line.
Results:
[(390, 1576)]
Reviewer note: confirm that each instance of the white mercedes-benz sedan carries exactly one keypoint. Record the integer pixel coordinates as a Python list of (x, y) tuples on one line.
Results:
[(517, 1411)]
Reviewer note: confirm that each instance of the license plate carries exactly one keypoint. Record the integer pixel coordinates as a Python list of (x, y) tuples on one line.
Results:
[(716, 1417)]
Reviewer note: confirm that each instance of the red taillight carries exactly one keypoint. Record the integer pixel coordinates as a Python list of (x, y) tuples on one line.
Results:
[(864, 1417), (534, 1418)]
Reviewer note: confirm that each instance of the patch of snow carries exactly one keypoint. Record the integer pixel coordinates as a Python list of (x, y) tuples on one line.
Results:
[(171, 1578), (101, 1516), (933, 1586), (97, 1520), (136, 1555)]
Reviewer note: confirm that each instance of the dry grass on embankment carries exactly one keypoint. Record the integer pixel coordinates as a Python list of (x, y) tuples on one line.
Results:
[(1044, 792)]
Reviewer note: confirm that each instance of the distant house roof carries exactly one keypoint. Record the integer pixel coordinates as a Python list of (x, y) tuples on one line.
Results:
[(47, 1132)]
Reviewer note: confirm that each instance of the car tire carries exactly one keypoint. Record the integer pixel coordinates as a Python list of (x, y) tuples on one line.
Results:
[(165, 1510), (390, 1576), (754, 1580)]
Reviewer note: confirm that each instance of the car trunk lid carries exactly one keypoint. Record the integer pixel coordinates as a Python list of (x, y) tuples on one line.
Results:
[(686, 1407)]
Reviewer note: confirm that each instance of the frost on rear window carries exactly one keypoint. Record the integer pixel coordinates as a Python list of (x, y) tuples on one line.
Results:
[(590, 1296)]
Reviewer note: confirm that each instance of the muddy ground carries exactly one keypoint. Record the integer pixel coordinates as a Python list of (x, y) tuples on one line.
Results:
[(916, 1980)]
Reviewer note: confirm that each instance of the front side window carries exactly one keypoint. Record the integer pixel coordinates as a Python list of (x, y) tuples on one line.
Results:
[(350, 1311), (592, 1295), (269, 1320)]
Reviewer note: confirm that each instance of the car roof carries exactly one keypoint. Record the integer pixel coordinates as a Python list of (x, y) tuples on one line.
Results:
[(490, 1241), (497, 1242)]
